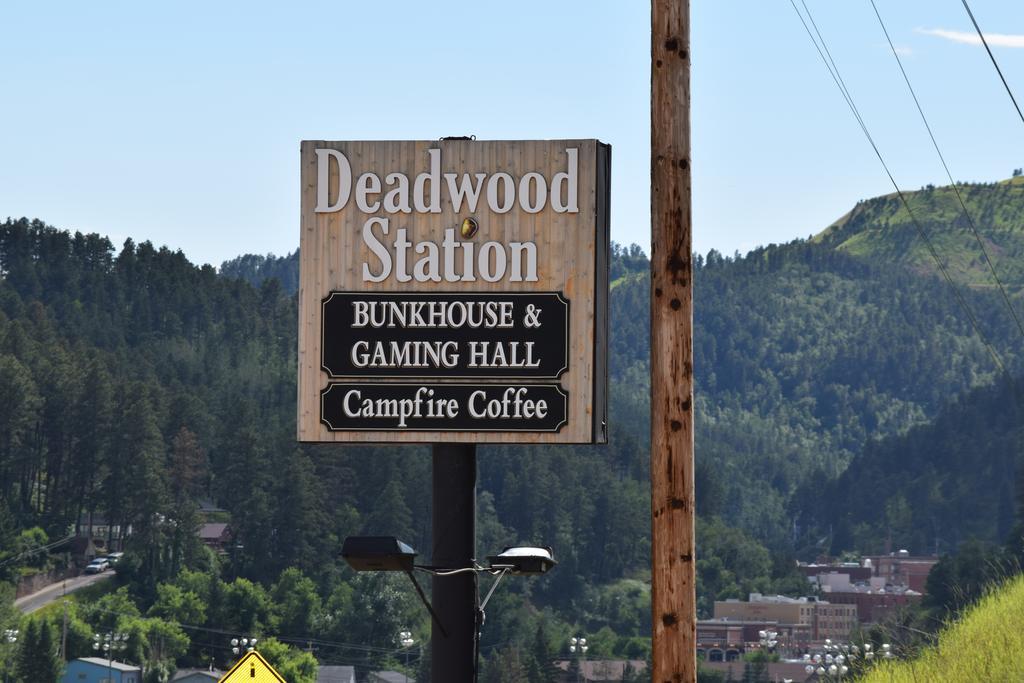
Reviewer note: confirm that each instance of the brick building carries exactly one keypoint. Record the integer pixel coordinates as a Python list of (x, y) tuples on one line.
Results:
[(823, 619), (724, 640), (903, 569)]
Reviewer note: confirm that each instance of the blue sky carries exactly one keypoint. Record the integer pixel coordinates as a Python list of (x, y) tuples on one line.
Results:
[(180, 123)]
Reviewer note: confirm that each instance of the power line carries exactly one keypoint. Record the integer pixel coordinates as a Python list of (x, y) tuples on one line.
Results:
[(833, 70), (942, 158), (35, 551), (993, 58)]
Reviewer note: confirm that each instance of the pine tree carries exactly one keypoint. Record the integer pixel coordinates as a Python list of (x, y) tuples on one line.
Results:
[(390, 515), (541, 663), (37, 658), (188, 468), (91, 421), (303, 529)]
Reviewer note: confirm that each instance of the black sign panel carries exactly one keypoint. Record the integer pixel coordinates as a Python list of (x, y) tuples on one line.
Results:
[(434, 407), (477, 335)]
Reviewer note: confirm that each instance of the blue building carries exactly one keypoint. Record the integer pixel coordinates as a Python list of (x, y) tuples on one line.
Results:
[(98, 670)]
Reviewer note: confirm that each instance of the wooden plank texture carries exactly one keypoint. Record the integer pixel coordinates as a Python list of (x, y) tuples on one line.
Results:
[(673, 599), (333, 253)]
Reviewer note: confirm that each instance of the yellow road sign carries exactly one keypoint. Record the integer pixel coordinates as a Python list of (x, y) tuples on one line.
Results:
[(252, 668)]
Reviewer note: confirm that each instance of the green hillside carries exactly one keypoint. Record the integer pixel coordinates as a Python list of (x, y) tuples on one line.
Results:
[(136, 384), (881, 228), (803, 355), (127, 367), (932, 488), (980, 646)]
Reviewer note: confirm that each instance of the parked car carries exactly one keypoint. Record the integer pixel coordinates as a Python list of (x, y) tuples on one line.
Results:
[(114, 558), (98, 565)]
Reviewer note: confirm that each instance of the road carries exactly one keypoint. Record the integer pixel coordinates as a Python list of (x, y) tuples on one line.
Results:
[(55, 591)]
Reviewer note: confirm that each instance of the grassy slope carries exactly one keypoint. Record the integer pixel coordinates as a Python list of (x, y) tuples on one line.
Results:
[(983, 646), (882, 228)]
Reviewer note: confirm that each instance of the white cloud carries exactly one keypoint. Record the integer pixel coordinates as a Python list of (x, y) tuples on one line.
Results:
[(994, 39), (904, 51)]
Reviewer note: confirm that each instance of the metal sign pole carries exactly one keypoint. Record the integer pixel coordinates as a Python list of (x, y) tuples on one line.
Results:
[(455, 598)]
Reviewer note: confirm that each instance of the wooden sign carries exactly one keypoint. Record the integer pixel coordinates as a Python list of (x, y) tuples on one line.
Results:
[(454, 291)]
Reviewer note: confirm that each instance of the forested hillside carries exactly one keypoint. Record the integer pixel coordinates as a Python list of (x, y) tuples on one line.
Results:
[(136, 384), (804, 353), (931, 489)]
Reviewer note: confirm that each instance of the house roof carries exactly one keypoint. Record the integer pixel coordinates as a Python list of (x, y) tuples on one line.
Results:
[(116, 666), (335, 674), (214, 675), (390, 677), (212, 530)]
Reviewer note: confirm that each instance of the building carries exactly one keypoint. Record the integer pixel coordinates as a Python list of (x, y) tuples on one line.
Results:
[(98, 670), (777, 672), (389, 677), (903, 569), (720, 640), (854, 570), (726, 640), (197, 676), (876, 597), (874, 605), (823, 619), (833, 620), (336, 674), (209, 510), (216, 535), (601, 670), (81, 548), (101, 537)]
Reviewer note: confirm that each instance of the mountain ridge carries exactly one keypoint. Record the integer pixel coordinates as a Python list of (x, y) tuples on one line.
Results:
[(882, 228)]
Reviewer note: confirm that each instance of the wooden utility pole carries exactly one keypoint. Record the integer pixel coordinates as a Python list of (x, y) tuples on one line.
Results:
[(673, 597)]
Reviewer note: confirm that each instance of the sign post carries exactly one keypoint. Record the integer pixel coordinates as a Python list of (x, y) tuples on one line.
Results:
[(455, 597), (454, 292), (673, 599)]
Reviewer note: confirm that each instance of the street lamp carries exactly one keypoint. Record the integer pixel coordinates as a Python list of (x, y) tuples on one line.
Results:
[(10, 637), (242, 645), (388, 554), (110, 643), (406, 640), (832, 663), (769, 639)]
